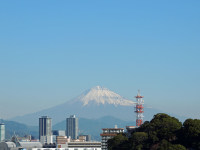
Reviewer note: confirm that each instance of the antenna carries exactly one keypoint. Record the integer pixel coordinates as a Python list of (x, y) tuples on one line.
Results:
[(15, 140), (139, 109), (138, 93)]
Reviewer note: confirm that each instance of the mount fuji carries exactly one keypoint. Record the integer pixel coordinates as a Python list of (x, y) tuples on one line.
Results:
[(100, 95), (94, 103)]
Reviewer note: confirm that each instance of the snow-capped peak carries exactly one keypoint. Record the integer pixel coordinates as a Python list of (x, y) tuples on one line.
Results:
[(101, 95)]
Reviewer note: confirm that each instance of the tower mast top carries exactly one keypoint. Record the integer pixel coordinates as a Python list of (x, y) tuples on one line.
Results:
[(138, 95)]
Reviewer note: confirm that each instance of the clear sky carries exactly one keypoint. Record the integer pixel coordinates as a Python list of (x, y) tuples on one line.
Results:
[(51, 51)]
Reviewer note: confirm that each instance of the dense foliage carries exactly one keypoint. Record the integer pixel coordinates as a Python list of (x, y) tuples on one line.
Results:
[(163, 132)]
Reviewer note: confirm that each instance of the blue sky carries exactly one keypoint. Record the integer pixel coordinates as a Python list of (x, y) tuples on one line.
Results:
[(51, 51)]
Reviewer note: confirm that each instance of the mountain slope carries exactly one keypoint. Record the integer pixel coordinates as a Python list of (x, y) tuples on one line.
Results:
[(19, 129), (92, 104), (101, 95)]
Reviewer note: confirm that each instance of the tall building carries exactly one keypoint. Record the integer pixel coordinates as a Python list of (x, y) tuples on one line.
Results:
[(72, 127), (109, 133), (44, 126), (2, 132)]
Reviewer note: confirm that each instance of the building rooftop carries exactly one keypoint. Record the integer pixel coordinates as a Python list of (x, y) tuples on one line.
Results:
[(113, 129), (31, 144), (45, 117)]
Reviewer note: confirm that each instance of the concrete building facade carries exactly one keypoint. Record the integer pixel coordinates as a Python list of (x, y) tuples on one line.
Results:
[(39, 146), (2, 132), (107, 134), (45, 126), (72, 127)]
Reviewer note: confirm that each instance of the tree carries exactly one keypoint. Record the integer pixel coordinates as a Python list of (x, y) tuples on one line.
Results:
[(165, 145), (178, 147), (138, 140), (165, 126), (163, 132), (116, 141), (139, 137), (190, 135)]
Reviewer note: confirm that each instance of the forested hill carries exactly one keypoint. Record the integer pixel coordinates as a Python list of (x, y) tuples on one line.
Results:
[(13, 127), (163, 132)]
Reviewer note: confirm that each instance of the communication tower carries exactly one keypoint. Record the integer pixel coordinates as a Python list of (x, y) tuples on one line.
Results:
[(139, 109)]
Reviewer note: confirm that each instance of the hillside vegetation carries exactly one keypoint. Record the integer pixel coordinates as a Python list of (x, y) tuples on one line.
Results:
[(13, 127), (163, 132)]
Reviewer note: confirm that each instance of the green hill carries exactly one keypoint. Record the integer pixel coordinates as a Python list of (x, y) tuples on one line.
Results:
[(163, 132)]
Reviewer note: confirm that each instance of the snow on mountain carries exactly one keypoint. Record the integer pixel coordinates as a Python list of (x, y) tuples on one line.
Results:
[(95, 103), (101, 95)]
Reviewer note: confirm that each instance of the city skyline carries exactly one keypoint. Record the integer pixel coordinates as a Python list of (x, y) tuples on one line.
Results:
[(50, 52)]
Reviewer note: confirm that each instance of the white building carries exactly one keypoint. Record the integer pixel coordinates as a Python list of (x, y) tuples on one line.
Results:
[(2, 132), (20, 145), (130, 129), (107, 134), (38, 146), (46, 139), (63, 144), (81, 145)]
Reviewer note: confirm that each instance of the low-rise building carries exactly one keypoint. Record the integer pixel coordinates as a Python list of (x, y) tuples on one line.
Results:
[(39, 146), (107, 134), (84, 145), (19, 145), (56, 133), (84, 138), (47, 139), (130, 129)]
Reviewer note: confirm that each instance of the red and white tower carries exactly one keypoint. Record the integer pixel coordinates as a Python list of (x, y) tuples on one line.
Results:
[(139, 109)]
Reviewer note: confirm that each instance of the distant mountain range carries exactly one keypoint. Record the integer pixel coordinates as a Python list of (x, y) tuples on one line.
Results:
[(13, 127), (86, 126), (94, 103), (94, 127), (96, 108)]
